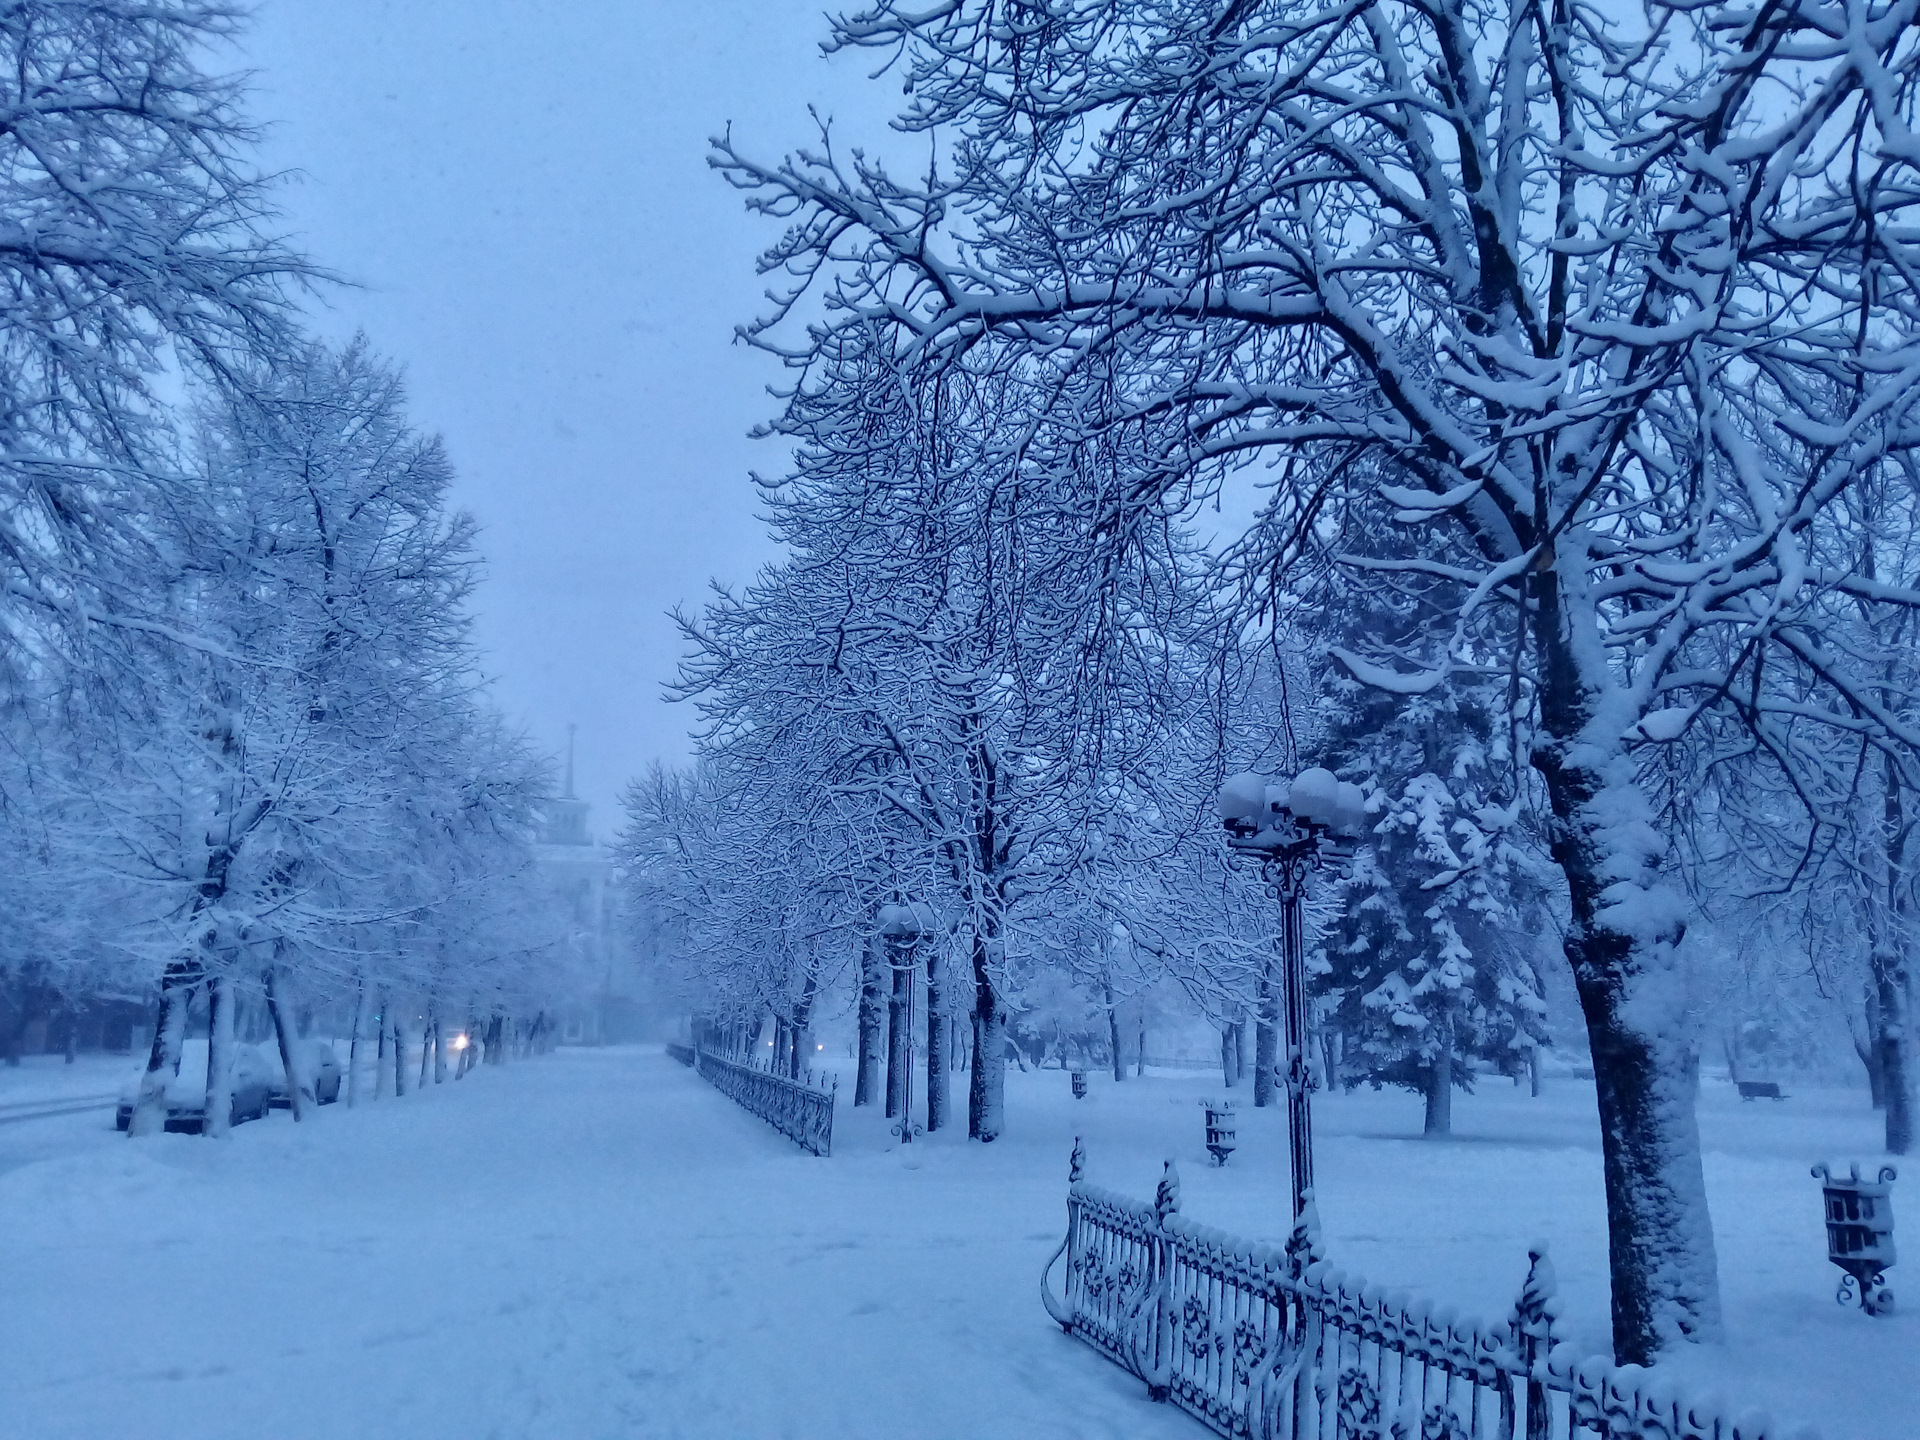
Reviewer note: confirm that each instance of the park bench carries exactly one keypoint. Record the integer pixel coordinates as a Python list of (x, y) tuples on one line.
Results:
[(1759, 1090)]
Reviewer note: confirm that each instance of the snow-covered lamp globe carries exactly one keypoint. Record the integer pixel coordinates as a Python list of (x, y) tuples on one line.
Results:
[(1263, 814), (907, 922), (1243, 803), (900, 922)]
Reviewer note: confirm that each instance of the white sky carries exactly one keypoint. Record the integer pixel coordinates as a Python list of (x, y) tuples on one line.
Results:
[(521, 191)]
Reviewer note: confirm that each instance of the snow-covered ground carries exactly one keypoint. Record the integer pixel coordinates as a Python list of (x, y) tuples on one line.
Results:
[(596, 1243)]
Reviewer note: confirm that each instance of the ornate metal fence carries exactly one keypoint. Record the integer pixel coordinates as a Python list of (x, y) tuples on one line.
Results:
[(682, 1053), (1271, 1343), (801, 1110)]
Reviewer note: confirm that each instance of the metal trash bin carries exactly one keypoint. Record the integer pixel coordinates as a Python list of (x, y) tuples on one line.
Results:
[(1860, 1235), (1222, 1138)]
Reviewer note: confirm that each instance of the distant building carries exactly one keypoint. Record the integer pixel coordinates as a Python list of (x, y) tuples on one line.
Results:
[(579, 871)]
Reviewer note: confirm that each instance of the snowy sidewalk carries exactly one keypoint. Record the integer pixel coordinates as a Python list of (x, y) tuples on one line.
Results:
[(588, 1244), (597, 1244)]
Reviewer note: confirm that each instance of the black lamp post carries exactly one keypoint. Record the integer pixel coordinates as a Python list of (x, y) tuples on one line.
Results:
[(901, 927), (1291, 827)]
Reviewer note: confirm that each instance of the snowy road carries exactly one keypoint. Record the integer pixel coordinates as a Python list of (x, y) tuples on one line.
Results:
[(597, 1244), (49, 1109)]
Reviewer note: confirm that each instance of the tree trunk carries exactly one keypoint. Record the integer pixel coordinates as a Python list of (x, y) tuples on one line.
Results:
[(26, 1001), (217, 1119), (1437, 1090), (1439, 1085), (1866, 1048), (426, 1051), (1113, 1032), (163, 1060), (873, 1006), (1533, 1072), (399, 1055), (1893, 993), (299, 1083), (1266, 1041), (360, 999), (937, 1099), (380, 1054), (897, 1036), (1140, 1055), (1890, 1044), (1439, 1096), (1229, 1073), (496, 1042), (801, 1028), (987, 1088), (1660, 1236), (1607, 842)]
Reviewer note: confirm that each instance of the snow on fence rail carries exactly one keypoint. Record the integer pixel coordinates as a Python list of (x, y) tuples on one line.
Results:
[(1271, 1343), (801, 1110)]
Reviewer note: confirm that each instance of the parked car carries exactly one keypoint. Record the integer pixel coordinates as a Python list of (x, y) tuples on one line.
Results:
[(187, 1091), (316, 1057)]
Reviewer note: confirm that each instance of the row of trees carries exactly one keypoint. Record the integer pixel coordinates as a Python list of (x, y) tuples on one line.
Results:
[(952, 701), (244, 755), (1578, 350), (945, 698)]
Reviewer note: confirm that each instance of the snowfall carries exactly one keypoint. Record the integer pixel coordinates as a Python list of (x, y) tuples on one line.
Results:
[(595, 1243)]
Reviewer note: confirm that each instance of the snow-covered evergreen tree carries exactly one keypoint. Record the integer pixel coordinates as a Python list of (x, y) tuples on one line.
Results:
[(1429, 966)]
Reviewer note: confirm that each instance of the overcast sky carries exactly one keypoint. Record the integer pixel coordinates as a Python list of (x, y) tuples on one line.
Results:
[(521, 191)]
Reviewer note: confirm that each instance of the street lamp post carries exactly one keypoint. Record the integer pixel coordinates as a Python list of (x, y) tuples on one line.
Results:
[(1291, 828), (901, 927)]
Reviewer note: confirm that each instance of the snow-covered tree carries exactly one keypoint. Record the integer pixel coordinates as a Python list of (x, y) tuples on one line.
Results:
[(284, 787), (1622, 302), (136, 248), (1429, 965)]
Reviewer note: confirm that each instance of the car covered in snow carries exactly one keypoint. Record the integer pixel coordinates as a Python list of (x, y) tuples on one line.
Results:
[(322, 1069), (253, 1080)]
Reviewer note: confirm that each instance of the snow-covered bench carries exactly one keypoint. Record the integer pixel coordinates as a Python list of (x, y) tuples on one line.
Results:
[(1759, 1090)]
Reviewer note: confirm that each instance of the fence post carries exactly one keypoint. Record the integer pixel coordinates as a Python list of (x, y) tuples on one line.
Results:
[(1062, 1309), (1152, 1343), (1531, 1326)]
